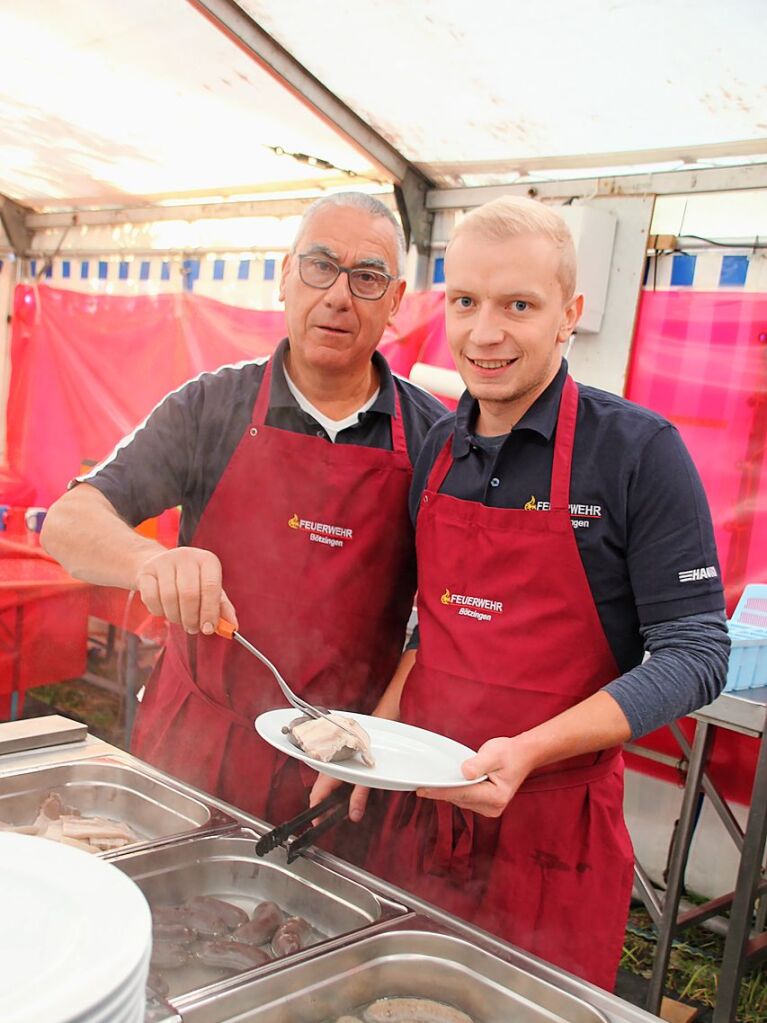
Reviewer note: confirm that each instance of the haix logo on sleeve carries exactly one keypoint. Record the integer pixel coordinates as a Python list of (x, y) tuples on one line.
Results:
[(322, 532), (696, 575), (472, 607), (582, 514)]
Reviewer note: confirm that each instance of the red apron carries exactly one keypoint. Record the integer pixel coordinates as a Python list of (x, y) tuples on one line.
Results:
[(317, 551), (553, 874)]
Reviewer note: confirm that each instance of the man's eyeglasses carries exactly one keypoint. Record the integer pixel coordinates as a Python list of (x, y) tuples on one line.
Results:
[(321, 272)]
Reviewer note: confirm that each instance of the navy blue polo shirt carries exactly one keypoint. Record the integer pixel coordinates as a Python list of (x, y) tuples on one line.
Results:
[(639, 512), (177, 455)]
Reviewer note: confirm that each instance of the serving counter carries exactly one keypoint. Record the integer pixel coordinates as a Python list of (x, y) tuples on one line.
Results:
[(365, 939)]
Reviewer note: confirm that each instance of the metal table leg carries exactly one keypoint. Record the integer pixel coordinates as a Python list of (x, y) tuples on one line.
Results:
[(644, 886), (725, 814), (749, 875), (761, 913), (701, 748), (131, 641)]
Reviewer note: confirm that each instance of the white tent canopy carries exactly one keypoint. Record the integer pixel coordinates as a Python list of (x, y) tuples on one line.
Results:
[(102, 103), (106, 104), (481, 91), (205, 126)]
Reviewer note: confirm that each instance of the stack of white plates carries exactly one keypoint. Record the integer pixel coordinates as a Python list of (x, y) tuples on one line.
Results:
[(75, 936)]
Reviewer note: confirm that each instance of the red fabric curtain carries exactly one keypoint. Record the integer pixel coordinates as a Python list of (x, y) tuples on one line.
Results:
[(86, 369), (700, 359)]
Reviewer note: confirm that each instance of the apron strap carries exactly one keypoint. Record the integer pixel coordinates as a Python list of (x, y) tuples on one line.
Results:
[(441, 467), (261, 405), (398, 441), (563, 451), (606, 762), (261, 408), (563, 447)]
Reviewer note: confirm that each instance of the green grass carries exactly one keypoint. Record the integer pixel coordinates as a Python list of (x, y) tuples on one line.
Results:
[(693, 973), (99, 709)]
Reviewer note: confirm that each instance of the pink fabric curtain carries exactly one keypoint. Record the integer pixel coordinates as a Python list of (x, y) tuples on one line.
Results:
[(87, 369), (700, 359)]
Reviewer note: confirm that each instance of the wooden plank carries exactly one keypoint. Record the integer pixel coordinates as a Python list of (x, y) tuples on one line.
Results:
[(34, 733), (677, 1012)]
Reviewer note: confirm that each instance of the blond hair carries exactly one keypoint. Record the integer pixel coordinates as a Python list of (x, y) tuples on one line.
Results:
[(513, 215)]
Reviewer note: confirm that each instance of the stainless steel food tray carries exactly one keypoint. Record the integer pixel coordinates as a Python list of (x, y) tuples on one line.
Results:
[(409, 961), (153, 807), (226, 866)]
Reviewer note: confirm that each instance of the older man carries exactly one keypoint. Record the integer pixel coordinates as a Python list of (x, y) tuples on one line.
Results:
[(562, 531), (292, 474)]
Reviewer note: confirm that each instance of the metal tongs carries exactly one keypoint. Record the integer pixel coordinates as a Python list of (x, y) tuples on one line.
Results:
[(228, 631), (280, 835)]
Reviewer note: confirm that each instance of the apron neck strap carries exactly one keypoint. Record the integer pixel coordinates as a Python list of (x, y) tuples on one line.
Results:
[(563, 446), (441, 467), (261, 408), (398, 440), (563, 451)]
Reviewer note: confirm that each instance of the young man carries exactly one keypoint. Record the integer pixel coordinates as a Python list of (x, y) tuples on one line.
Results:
[(293, 477), (558, 528)]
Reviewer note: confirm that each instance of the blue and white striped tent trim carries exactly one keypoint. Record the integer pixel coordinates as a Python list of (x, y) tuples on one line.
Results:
[(241, 278), (255, 278), (707, 271), (143, 269)]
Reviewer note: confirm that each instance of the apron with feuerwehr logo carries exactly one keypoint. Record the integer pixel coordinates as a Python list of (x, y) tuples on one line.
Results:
[(511, 637), (317, 552)]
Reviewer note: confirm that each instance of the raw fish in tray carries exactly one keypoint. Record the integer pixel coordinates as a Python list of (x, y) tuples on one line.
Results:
[(66, 824)]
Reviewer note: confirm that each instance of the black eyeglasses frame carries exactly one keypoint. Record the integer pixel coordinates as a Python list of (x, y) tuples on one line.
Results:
[(348, 270)]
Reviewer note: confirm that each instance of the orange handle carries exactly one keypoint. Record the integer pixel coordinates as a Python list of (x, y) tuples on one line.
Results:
[(225, 629)]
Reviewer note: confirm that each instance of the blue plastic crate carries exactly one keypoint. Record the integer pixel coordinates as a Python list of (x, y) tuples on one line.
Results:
[(748, 657)]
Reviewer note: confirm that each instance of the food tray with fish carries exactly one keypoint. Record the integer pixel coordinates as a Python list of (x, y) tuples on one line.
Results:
[(102, 805), (220, 911), (406, 975)]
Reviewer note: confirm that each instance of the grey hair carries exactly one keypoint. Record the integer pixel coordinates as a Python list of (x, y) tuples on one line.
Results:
[(359, 201)]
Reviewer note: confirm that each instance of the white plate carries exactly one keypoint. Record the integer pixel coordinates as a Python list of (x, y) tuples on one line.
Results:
[(74, 932), (127, 1004), (406, 757)]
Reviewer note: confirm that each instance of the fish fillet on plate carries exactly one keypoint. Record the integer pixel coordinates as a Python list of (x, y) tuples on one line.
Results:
[(322, 741)]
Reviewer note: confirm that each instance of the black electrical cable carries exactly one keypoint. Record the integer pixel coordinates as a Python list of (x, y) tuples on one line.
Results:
[(756, 244), (318, 161)]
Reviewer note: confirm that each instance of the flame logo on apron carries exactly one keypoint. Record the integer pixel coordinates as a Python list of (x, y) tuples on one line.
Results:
[(294, 522), (445, 598), (532, 504)]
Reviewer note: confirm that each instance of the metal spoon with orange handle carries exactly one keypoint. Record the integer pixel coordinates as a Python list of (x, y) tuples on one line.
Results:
[(228, 631)]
